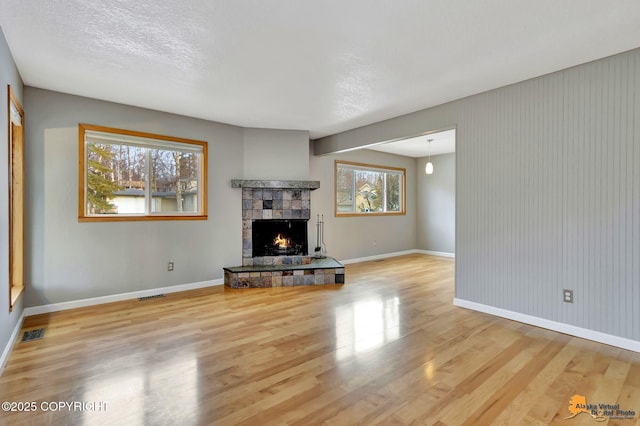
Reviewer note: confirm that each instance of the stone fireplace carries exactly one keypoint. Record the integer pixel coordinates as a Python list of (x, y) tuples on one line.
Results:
[(275, 217), (273, 203)]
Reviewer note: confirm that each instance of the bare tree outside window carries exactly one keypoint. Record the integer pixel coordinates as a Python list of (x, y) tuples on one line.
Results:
[(174, 181)]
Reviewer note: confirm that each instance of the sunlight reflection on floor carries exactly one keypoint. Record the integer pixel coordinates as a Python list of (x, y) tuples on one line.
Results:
[(173, 382), (366, 325)]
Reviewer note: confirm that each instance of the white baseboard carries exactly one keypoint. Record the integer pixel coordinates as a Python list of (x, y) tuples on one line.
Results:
[(437, 253), (11, 343), (596, 336), (394, 254), (54, 307), (377, 256)]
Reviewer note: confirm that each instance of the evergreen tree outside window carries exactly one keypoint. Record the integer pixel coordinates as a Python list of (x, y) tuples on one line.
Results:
[(127, 175), (364, 189), (101, 188)]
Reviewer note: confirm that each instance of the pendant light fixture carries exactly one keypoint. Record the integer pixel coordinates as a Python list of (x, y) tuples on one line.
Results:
[(428, 169)]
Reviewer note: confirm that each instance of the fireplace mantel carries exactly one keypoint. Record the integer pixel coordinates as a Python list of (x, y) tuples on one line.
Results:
[(276, 184)]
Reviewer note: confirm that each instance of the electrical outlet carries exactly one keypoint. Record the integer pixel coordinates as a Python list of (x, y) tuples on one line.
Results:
[(567, 295), (170, 266), (375, 243)]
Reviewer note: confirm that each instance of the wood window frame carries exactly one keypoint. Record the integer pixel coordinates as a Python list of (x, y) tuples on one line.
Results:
[(16, 198), (82, 155), (373, 167)]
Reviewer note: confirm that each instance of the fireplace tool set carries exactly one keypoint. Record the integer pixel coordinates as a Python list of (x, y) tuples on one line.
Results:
[(321, 247)]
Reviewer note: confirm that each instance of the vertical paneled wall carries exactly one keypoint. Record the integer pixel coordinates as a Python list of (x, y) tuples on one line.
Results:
[(547, 192)]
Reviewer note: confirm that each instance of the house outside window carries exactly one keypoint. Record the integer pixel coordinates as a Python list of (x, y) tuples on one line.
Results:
[(365, 189), (127, 175)]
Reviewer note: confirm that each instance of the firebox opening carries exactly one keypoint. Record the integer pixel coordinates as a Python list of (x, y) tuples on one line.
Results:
[(275, 237)]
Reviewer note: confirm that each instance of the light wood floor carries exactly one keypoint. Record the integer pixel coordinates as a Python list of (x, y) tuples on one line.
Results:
[(386, 348)]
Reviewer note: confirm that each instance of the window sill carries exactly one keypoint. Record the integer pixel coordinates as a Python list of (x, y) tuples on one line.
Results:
[(139, 218), (370, 214)]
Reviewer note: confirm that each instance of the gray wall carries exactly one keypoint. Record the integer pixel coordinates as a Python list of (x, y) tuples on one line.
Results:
[(8, 75), (69, 261), (547, 192), (436, 204), (356, 237), (272, 154)]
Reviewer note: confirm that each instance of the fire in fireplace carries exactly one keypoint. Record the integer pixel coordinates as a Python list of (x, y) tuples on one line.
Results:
[(275, 237)]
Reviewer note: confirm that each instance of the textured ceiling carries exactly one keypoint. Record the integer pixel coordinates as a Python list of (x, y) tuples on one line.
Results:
[(321, 66)]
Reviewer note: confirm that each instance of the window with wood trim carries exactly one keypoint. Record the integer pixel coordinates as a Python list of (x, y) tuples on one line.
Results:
[(16, 198), (365, 189), (128, 175)]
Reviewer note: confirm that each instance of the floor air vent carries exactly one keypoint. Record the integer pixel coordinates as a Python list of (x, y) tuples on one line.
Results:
[(32, 335), (155, 296)]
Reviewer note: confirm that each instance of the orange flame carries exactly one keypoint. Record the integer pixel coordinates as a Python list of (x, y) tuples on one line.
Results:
[(281, 241)]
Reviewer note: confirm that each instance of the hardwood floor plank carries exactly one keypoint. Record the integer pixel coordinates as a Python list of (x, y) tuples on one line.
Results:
[(387, 348), (527, 399), (500, 399)]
